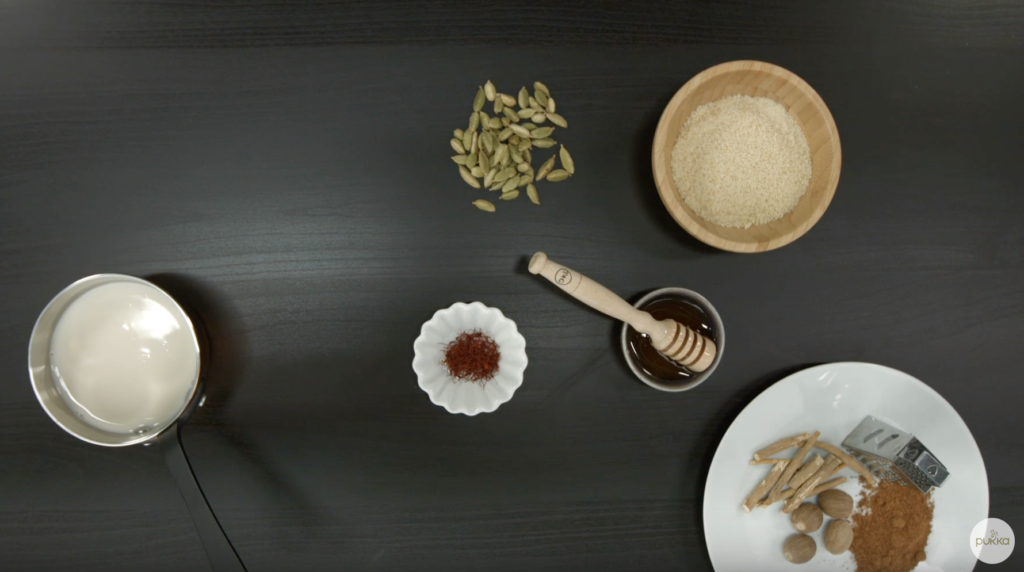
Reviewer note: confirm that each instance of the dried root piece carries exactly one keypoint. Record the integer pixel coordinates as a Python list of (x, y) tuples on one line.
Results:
[(781, 445), (765, 485), (805, 489), (794, 465), (848, 461)]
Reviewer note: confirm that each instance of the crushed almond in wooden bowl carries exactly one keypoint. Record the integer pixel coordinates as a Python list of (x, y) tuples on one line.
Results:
[(746, 198)]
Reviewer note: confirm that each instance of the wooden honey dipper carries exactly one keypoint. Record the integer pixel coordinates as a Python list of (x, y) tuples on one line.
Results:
[(674, 340)]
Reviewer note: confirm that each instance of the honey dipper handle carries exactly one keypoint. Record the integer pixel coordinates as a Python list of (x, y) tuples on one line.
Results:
[(592, 294)]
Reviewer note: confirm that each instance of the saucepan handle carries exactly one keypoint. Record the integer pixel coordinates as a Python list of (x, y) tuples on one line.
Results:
[(219, 552)]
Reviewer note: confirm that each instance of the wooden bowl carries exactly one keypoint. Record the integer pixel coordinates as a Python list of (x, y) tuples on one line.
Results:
[(758, 79)]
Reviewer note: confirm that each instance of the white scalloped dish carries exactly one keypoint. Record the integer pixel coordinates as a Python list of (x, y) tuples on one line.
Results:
[(467, 397)]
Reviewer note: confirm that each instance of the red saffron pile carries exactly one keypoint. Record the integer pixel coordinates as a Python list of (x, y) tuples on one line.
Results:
[(472, 356)]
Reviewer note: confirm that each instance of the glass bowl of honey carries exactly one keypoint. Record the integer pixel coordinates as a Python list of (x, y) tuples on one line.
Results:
[(688, 308)]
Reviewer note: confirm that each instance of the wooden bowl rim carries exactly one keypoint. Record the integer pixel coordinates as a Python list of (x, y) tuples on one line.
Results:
[(663, 171)]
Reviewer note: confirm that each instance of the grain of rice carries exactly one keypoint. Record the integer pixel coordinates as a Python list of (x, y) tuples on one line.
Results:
[(741, 161)]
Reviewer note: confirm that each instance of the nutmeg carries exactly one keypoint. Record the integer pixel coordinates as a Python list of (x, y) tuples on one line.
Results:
[(838, 536), (836, 503), (799, 548), (806, 518)]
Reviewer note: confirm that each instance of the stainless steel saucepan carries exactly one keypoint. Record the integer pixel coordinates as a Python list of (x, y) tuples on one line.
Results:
[(181, 396)]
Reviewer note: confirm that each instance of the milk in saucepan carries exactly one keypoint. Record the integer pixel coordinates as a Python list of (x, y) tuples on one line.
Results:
[(124, 358)]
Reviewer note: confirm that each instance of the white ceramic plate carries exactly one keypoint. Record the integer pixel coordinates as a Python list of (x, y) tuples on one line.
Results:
[(463, 396), (833, 399)]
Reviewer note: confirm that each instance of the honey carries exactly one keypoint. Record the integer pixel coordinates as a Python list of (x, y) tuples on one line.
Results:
[(650, 360)]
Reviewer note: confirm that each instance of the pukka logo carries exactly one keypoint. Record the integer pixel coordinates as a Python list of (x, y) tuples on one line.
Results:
[(992, 541)]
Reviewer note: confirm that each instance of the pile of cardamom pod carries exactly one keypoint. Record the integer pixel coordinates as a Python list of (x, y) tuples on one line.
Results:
[(496, 153)]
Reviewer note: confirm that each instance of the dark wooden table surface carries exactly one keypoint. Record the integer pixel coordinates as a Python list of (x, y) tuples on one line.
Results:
[(284, 170)]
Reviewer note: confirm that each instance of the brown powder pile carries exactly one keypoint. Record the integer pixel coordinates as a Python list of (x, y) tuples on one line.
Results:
[(891, 527)]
